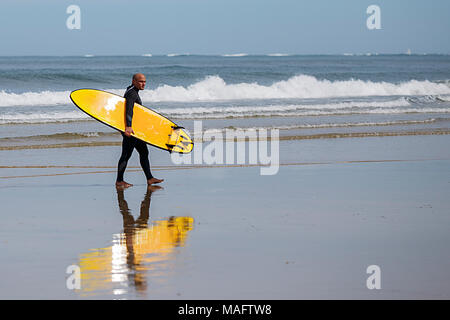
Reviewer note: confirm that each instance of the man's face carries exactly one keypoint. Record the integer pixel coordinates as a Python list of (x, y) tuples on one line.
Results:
[(139, 82)]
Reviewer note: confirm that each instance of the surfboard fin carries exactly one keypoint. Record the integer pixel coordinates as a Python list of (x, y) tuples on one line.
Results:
[(171, 146), (186, 143)]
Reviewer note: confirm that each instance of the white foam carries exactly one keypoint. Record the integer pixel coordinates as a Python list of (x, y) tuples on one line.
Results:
[(278, 55), (309, 113), (444, 98), (43, 117), (399, 106), (302, 86), (391, 107), (214, 88), (267, 110), (235, 55), (177, 54), (89, 134), (49, 98), (326, 125)]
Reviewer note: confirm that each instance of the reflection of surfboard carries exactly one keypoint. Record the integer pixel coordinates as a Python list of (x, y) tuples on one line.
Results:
[(133, 255), (148, 125)]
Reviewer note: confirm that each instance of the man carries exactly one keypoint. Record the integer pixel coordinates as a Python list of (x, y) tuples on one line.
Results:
[(129, 142)]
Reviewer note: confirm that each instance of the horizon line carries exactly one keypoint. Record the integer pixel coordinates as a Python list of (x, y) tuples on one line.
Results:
[(226, 55)]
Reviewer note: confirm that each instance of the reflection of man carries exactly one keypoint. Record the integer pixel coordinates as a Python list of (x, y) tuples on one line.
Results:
[(130, 227), (143, 249), (129, 142)]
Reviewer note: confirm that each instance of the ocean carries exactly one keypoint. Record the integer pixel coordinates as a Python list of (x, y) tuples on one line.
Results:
[(303, 96)]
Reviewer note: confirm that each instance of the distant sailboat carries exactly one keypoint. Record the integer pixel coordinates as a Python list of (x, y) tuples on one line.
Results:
[(408, 52)]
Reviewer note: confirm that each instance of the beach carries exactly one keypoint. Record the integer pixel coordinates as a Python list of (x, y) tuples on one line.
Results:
[(312, 177), (335, 207)]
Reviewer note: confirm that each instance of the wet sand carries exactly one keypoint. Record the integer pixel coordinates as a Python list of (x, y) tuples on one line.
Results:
[(335, 207)]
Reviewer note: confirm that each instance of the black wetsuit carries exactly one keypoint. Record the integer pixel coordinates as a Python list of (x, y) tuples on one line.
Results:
[(129, 143)]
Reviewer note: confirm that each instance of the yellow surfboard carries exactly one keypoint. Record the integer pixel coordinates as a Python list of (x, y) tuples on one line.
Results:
[(148, 125)]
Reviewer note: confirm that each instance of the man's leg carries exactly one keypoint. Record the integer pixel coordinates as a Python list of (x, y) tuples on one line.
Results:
[(128, 145), (141, 147)]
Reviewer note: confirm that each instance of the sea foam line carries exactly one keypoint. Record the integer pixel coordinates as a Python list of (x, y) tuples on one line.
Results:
[(400, 106), (214, 88), (101, 134), (235, 55), (218, 113), (302, 87)]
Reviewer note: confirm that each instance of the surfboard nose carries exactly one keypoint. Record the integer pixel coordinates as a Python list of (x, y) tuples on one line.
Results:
[(76, 93), (78, 96)]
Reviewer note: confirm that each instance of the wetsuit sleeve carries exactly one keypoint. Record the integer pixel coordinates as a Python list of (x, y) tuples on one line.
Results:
[(130, 99)]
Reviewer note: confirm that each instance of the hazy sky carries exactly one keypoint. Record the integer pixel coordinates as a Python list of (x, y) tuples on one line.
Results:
[(134, 27)]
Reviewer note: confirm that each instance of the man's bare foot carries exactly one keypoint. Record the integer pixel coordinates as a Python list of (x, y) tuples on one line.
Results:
[(154, 180), (123, 184)]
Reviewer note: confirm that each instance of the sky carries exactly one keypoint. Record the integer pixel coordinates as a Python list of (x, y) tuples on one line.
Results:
[(135, 27)]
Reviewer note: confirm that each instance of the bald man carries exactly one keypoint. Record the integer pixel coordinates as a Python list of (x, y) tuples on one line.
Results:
[(129, 142)]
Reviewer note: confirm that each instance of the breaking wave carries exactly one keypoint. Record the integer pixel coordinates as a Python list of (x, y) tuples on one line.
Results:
[(214, 88)]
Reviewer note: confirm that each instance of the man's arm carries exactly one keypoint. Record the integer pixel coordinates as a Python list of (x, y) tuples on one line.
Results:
[(130, 99)]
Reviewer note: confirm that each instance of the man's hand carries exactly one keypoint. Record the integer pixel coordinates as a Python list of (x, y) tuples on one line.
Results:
[(128, 131)]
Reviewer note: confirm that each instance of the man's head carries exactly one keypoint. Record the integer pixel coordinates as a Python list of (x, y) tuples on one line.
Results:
[(139, 81)]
